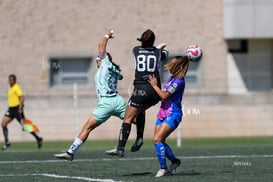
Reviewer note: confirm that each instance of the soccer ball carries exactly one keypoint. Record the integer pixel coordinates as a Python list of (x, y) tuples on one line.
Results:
[(194, 53)]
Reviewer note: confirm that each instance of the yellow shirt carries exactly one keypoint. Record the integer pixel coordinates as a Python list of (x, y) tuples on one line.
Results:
[(13, 95)]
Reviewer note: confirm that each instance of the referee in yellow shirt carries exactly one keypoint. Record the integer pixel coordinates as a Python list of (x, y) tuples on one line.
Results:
[(15, 110)]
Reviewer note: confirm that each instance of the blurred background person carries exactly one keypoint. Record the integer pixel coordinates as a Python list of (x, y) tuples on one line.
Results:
[(15, 110)]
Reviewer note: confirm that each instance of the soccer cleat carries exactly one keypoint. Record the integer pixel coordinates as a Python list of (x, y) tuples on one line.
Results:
[(6, 145), (111, 151), (65, 156), (161, 172), (115, 152), (120, 153), (174, 165), (40, 142), (136, 146)]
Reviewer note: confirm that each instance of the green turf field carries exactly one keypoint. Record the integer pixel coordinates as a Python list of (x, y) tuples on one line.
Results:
[(224, 159)]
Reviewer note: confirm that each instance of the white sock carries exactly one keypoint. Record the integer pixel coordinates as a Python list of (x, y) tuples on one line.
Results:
[(75, 146)]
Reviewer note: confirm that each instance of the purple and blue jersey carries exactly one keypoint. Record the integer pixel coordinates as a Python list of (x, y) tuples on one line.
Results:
[(171, 108)]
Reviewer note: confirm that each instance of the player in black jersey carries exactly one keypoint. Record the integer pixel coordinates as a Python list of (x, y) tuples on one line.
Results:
[(147, 60)]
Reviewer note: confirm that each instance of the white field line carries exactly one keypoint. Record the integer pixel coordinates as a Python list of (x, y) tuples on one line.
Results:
[(61, 176), (138, 158), (113, 159)]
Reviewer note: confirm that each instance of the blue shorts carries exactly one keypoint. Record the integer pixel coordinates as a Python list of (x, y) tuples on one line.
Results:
[(173, 121), (109, 106)]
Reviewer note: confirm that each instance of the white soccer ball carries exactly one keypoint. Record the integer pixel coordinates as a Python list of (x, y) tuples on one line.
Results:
[(194, 53)]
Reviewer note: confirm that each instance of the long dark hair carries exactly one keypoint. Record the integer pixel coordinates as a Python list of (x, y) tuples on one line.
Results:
[(147, 38), (111, 60)]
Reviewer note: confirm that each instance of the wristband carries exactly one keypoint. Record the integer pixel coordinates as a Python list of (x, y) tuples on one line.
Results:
[(106, 36)]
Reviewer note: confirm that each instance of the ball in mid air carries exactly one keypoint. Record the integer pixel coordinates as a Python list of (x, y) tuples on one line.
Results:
[(194, 53)]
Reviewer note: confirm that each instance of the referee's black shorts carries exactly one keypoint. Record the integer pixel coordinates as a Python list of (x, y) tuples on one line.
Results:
[(143, 95), (13, 112)]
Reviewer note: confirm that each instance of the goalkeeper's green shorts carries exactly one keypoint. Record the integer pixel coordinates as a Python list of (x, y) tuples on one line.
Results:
[(109, 106)]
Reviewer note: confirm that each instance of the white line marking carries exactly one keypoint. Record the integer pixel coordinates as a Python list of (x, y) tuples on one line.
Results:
[(61, 176), (138, 158)]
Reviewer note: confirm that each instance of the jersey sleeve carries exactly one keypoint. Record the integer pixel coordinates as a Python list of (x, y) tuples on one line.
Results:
[(164, 54), (18, 91), (101, 56), (173, 87)]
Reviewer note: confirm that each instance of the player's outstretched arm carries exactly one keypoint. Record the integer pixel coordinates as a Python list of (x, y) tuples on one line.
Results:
[(103, 43), (164, 51)]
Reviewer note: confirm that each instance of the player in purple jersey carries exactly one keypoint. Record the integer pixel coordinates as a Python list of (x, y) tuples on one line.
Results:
[(170, 112)]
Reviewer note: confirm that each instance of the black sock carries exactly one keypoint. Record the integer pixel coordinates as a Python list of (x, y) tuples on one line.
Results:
[(6, 134), (140, 124), (35, 136), (124, 135)]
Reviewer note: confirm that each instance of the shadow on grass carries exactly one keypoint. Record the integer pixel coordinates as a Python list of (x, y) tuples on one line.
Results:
[(185, 173), (139, 174)]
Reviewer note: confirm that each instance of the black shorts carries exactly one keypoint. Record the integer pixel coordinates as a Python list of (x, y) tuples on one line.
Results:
[(13, 112), (143, 95)]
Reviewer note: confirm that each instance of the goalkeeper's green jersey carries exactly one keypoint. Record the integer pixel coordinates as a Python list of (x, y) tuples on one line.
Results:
[(107, 78)]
